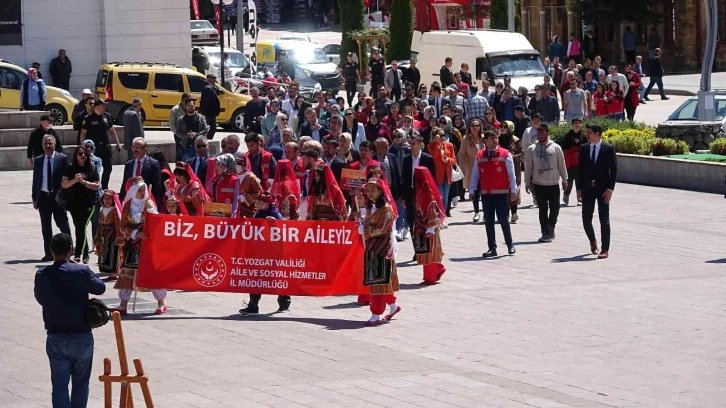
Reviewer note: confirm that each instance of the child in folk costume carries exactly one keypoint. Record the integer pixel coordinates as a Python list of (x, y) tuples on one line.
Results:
[(326, 201), (137, 204), (379, 271), (266, 209), (189, 189), (105, 239), (249, 187), (286, 190), (174, 206), (430, 214)]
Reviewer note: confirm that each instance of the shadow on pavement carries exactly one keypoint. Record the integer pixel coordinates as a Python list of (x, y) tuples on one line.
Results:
[(351, 305), (328, 324), (717, 261), (577, 258), (26, 261)]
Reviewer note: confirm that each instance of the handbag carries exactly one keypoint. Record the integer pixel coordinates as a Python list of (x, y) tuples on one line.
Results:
[(97, 313), (456, 173), (60, 198)]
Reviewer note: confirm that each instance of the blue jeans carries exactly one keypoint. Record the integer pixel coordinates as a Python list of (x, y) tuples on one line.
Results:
[(401, 221), (444, 189), (617, 116), (655, 81), (496, 204), (188, 153), (71, 359)]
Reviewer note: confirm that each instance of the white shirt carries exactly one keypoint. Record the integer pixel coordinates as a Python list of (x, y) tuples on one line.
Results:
[(529, 137), (622, 81), (414, 162), (595, 146), (47, 161)]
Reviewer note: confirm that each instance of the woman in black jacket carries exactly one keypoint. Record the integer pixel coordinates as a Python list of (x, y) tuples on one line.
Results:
[(80, 185)]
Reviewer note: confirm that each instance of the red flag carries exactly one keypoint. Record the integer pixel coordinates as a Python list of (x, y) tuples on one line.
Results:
[(195, 8)]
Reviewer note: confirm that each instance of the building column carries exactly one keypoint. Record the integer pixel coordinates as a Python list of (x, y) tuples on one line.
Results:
[(619, 41), (542, 31), (525, 22), (571, 22)]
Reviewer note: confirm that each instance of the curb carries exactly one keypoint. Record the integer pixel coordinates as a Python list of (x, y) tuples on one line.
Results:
[(679, 92)]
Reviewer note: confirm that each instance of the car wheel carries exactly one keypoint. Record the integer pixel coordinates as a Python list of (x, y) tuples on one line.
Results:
[(238, 120), (58, 113)]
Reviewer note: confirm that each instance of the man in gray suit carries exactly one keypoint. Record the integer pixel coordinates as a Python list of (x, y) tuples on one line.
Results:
[(133, 126), (393, 82)]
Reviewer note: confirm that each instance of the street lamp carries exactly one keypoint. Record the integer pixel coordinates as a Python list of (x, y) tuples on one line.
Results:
[(220, 26)]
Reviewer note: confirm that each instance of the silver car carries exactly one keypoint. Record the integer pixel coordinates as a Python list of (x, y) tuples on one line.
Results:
[(204, 33)]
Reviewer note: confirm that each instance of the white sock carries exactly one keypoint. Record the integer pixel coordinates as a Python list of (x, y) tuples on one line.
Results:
[(374, 318), (392, 307)]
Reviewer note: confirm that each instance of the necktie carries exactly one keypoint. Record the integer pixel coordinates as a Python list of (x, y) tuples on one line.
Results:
[(196, 165), (490, 153), (49, 175), (592, 158), (138, 168)]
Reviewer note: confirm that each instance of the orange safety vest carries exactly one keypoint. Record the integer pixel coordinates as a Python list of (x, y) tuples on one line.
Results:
[(493, 177)]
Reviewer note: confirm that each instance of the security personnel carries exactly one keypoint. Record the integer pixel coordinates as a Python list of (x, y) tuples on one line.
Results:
[(97, 126), (376, 69), (352, 77), (493, 174)]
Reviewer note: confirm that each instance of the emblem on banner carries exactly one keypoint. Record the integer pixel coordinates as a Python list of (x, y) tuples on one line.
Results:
[(209, 270)]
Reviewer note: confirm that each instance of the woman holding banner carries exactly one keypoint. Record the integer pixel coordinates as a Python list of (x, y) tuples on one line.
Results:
[(379, 273), (188, 189), (286, 190), (325, 202), (137, 204), (430, 214)]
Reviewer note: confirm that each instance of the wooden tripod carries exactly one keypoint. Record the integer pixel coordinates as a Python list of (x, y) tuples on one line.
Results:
[(127, 400)]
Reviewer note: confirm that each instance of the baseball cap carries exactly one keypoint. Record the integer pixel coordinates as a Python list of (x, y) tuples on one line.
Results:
[(211, 76), (453, 88), (98, 102), (86, 92)]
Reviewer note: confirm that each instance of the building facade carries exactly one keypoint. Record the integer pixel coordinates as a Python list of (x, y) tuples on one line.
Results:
[(97, 31)]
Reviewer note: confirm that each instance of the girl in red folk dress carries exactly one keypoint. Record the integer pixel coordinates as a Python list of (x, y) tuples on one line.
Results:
[(286, 190), (250, 187), (426, 235), (189, 190), (137, 204), (105, 239), (325, 202), (174, 206), (379, 271)]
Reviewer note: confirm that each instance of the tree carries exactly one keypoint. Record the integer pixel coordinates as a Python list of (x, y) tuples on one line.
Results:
[(499, 18), (351, 19), (401, 29)]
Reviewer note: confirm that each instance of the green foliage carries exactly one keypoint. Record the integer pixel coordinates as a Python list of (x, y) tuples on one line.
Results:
[(401, 27), (498, 14), (718, 146), (557, 132), (667, 147), (351, 19), (631, 141)]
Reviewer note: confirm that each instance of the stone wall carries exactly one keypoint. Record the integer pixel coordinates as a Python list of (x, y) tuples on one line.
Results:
[(697, 136)]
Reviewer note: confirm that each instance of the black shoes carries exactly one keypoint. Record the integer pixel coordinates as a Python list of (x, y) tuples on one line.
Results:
[(248, 311), (511, 250), (664, 98), (490, 253), (46, 258)]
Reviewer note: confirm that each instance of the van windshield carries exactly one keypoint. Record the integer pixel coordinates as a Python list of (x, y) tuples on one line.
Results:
[(308, 55), (517, 65)]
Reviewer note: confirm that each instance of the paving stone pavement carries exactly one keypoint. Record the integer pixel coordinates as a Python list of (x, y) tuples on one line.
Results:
[(549, 327)]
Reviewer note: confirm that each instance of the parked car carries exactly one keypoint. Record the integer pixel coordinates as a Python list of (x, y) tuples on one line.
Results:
[(294, 37), (236, 61), (685, 123), (160, 87), (333, 53), (264, 79), (308, 56), (58, 102), (204, 33)]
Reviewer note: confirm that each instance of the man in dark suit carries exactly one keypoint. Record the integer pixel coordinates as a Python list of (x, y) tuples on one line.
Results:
[(335, 163), (446, 73), (48, 170), (199, 162), (145, 167), (62, 290), (312, 126), (596, 180), (410, 162)]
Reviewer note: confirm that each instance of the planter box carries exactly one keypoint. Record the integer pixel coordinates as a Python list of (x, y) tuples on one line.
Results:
[(672, 173)]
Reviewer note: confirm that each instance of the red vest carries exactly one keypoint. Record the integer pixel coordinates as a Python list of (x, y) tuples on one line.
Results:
[(224, 190), (493, 177), (299, 169), (266, 160)]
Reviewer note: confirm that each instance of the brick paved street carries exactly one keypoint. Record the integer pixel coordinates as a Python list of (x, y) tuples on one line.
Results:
[(549, 327)]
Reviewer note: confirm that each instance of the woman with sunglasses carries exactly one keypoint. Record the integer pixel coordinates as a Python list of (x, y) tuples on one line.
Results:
[(356, 129), (97, 163), (80, 186), (363, 109), (471, 144), (393, 119), (423, 92), (273, 143), (373, 127), (297, 116), (490, 118), (78, 121), (426, 132), (453, 136)]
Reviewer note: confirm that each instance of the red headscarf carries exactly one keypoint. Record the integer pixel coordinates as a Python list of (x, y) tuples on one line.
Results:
[(427, 191), (192, 178), (337, 200), (285, 183), (179, 204), (116, 201), (383, 185)]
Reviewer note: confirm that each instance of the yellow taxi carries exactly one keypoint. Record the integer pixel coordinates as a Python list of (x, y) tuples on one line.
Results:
[(160, 87), (58, 102)]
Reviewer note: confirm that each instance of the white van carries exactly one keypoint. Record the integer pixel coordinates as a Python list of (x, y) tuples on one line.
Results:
[(491, 55)]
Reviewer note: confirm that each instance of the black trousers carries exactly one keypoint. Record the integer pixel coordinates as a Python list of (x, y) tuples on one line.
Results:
[(212, 122), (81, 217), (410, 213), (603, 212), (350, 90), (476, 197), (630, 57), (34, 107), (282, 301), (375, 81), (571, 179), (396, 94), (548, 198), (496, 204), (49, 210), (106, 155), (630, 112)]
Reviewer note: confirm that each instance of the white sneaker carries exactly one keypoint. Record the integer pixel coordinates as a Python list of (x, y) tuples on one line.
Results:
[(444, 225), (399, 236), (454, 202), (404, 233), (477, 217), (515, 218)]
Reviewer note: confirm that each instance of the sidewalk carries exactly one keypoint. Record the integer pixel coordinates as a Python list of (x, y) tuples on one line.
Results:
[(688, 85)]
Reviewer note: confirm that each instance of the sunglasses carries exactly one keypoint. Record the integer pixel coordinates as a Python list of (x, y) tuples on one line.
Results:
[(81, 154), (283, 119), (476, 126), (348, 113), (201, 146)]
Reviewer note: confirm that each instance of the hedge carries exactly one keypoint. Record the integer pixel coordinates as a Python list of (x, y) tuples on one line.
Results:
[(718, 146)]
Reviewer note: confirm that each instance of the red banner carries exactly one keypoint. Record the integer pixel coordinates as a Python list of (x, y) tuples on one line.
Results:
[(218, 16), (296, 258), (195, 8)]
